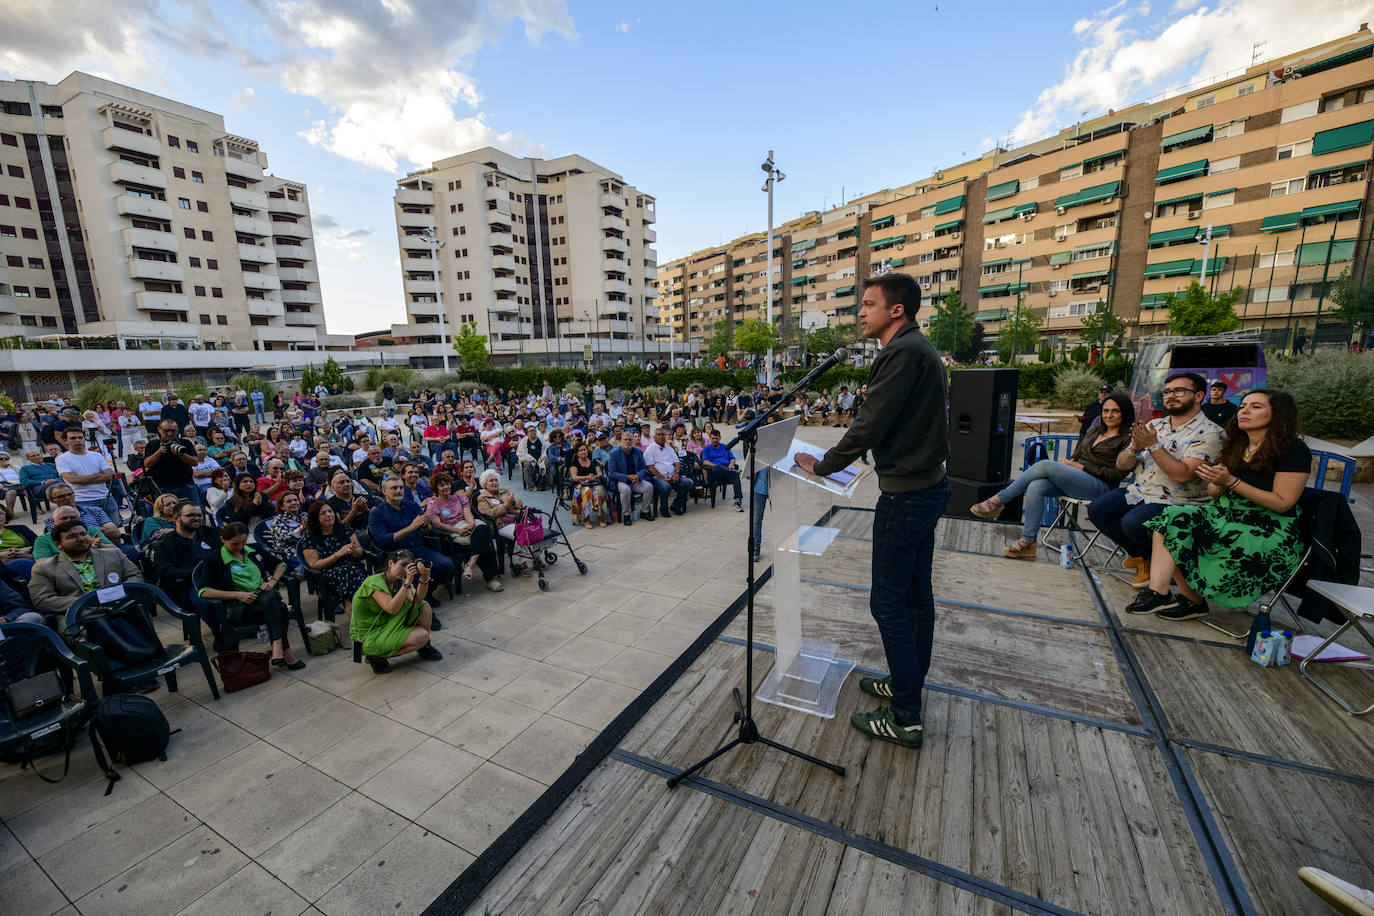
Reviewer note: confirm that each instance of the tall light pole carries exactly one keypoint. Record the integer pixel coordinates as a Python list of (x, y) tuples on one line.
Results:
[(1205, 237), (774, 176), (430, 238)]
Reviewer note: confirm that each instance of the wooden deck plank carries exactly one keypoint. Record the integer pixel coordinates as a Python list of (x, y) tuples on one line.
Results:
[(1277, 820), (1126, 882), (1063, 666), (1219, 696), (1054, 877), (1018, 821)]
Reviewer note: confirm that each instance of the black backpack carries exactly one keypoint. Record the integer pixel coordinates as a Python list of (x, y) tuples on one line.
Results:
[(133, 730)]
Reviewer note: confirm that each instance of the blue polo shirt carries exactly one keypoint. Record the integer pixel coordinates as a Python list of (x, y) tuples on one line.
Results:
[(383, 522), (718, 455)]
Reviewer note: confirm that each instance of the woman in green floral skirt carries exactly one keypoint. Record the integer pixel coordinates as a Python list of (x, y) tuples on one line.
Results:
[(1245, 541)]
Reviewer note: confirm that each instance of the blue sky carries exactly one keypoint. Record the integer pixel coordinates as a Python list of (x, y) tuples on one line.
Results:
[(683, 100)]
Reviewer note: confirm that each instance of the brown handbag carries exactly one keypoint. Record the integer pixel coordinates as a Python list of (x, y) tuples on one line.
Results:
[(242, 669), (34, 695)]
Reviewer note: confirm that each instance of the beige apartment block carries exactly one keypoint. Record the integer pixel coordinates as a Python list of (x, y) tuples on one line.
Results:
[(541, 256), (1274, 160), (131, 221)]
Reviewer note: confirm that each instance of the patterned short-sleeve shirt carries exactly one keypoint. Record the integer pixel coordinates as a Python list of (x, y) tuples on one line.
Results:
[(1198, 438)]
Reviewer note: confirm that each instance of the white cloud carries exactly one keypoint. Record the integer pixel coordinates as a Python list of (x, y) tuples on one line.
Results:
[(244, 98), (1119, 65), (623, 28)]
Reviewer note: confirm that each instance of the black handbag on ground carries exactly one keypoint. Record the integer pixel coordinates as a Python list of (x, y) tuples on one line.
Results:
[(133, 730)]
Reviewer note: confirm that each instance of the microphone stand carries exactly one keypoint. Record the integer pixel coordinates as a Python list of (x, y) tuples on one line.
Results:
[(744, 706)]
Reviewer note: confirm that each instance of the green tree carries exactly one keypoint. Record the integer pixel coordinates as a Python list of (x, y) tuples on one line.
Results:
[(1020, 331), (333, 376), (719, 344), (951, 328), (1354, 300), (310, 377), (755, 337), (471, 347), (1195, 312), (1101, 324), (830, 338)]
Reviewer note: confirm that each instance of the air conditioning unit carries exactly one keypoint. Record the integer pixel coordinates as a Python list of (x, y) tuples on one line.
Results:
[(1061, 238), (1060, 210), (1055, 266), (1194, 214), (1054, 292), (925, 286), (954, 235), (1028, 216)]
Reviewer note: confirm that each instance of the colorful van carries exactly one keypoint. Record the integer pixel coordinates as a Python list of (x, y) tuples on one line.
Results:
[(1236, 359)]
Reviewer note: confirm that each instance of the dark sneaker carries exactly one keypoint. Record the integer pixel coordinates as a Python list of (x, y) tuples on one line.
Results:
[(628, 521), (880, 724), (739, 506), (677, 511), (1149, 601), (434, 623), (379, 665), (429, 653), (646, 516), (880, 687), (1183, 609)]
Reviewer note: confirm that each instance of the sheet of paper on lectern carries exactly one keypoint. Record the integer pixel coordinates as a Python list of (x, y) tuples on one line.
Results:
[(841, 483)]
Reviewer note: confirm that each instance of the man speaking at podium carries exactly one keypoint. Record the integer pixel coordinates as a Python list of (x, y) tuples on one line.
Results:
[(903, 421)]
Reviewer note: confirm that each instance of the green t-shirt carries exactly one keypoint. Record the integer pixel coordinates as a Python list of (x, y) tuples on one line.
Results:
[(245, 576), (366, 611), (11, 538), (43, 547)]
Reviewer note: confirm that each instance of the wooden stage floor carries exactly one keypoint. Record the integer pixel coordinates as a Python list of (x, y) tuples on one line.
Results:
[(1076, 761)]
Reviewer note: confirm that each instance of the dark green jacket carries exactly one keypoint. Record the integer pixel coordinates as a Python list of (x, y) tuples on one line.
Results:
[(904, 420)]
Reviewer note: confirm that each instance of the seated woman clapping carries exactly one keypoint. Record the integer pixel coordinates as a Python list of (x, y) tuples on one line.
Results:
[(1244, 542), (1090, 472), (246, 581), (390, 615), (331, 549), (450, 512)]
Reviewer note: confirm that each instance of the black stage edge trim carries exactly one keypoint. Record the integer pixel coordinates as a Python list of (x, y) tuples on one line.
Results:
[(1221, 865), (1007, 896), (459, 895), (1282, 763), (992, 608)]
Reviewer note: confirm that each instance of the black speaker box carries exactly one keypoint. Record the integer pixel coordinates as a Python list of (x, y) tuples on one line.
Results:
[(964, 493), (982, 423)]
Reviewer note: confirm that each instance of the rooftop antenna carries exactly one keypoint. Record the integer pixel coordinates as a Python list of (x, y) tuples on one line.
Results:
[(1255, 51)]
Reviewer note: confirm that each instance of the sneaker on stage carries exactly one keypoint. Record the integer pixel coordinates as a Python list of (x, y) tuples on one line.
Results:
[(881, 724), (880, 687)]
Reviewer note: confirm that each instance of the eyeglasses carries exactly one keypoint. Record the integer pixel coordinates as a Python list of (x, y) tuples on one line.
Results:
[(1179, 392)]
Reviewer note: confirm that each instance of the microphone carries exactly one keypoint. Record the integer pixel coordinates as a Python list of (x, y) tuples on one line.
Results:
[(834, 359)]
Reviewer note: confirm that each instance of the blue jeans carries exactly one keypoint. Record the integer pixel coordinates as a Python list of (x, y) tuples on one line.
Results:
[(1042, 482), (760, 502), (1124, 523), (902, 600), (662, 488)]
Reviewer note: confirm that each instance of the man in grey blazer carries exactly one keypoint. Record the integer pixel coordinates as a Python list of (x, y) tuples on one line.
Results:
[(75, 570)]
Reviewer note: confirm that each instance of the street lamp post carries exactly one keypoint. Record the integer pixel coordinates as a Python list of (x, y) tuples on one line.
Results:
[(430, 238), (774, 176), (1205, 237)]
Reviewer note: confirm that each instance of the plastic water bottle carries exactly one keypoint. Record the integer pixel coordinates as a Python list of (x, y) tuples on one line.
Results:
[(262, 634), (1065, 557)]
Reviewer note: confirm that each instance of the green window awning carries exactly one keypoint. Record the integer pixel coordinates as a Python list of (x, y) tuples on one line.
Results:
[(995, 288), (1153, 300), (949, 205), (896, 262), (1091, 274), (1090, 195), (1339, 138), (844, 291), (1219, 193), (737, 262), (1169, 268), (846, 233), (883, 222), (1060, 258), (876, 243), (952, 224), (801, 263), (1214, 265), (1109, 246), (1280, 222), (798, 281), (1221, 232), (1005, 189), (1344, 206), (1104, 157), (1178, 200), (1064, 201), (1025, 208), (1017, 287), (991, 315), (1195, 134), (1186, 234), (1338, 60), (803, 246), (1336, 168), (996, 216), (1178, 172), (998, 263), (1319, 252)]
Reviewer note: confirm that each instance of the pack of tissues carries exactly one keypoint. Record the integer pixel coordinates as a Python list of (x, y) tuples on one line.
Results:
[(1272, 648)]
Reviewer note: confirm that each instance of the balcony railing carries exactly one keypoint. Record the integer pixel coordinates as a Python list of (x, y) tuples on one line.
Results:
[(122, 172), (149, 238), (134, 142), (257, 254), (140, 269), (161, 302), (249, 200), (126, 205)]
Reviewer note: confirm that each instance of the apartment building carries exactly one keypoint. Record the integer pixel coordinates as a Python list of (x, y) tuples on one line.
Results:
[(129, 221), (543, 257), (1269, 166)]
